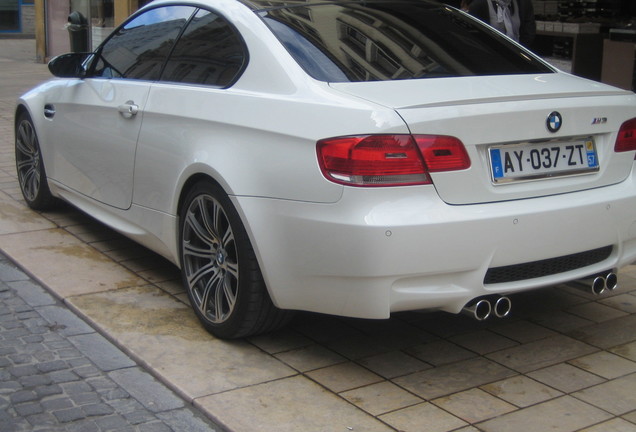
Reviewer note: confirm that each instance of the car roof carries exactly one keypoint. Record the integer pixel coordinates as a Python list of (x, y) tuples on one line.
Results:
[(265, 5)]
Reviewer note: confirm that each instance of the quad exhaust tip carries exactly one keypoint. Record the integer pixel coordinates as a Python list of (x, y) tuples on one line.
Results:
[(484, 308), (611, 281), (502, 307), (596, 284)]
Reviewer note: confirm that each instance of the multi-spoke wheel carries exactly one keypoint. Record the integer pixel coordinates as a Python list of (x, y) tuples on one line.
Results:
[(219, 268), (29, 165)]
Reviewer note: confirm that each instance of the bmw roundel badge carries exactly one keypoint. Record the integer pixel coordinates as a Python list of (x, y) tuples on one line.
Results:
[(554, 121)]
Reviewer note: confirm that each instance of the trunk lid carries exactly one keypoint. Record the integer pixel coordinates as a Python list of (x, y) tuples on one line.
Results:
[(511, 112)]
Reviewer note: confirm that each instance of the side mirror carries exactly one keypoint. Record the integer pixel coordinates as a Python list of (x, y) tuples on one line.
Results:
[(71, 65)]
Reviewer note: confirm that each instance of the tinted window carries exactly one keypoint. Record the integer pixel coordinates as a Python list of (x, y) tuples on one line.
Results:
[(140, 48), (209, 52), (393, 40)]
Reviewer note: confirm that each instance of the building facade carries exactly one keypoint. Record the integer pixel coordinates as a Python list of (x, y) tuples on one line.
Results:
[(57, 24)]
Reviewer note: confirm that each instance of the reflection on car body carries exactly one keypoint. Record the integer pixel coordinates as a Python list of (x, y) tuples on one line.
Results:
[(355, 158)]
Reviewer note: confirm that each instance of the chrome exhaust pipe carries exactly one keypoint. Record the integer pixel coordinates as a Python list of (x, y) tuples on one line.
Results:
[(611, 281), (502, 307), (593, 285), (480, 309)]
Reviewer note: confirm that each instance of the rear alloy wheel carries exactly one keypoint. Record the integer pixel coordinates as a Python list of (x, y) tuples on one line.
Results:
[(219, 267), (29, 165)]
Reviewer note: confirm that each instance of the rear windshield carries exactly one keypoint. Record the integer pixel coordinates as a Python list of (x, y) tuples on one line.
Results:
[(394, 40)]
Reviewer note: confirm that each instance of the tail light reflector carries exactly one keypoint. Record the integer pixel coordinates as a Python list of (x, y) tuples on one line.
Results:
[(626, 140), (389, 160)]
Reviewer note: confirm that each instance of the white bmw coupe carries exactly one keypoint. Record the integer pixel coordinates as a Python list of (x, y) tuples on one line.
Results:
[(355, 158)]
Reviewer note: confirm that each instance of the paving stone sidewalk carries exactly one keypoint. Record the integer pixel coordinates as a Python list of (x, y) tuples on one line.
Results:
[(58, 374)]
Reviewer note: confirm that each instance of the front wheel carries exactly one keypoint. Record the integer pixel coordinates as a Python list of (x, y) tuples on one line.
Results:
[(219, 267), (30, 166)]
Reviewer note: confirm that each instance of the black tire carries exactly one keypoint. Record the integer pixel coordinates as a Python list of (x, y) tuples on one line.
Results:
[(30, 165), (219, 267)]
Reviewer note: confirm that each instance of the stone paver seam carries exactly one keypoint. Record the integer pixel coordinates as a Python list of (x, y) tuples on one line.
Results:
[(569, 362), (345, 360), (305, 374), (377, 417), (136, 358), (28, 274), (525, 375), (573, 394), (148, 282), (403, 388), (569, 394), (196, 404)]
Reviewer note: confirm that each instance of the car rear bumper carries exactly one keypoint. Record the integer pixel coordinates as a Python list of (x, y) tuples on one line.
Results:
[(379, 251)]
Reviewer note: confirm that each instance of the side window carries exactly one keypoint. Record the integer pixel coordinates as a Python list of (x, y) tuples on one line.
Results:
[(139, 49), (210, 52)]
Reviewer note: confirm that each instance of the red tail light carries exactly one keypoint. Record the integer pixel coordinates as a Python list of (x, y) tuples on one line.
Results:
[(626, 140), (443, 153), (389, 160)]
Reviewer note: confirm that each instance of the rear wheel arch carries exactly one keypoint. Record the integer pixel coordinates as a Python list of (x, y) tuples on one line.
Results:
[(189, 184), (219, 267)]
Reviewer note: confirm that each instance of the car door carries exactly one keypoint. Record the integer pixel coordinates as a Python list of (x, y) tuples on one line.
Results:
[(96, 122), (190, 105)]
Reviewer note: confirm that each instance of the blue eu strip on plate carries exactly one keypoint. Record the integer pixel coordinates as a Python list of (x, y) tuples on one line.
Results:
[(497, 168)]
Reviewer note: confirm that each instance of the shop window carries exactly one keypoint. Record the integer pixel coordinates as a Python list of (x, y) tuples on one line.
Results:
[(9, 15), (102, 20)]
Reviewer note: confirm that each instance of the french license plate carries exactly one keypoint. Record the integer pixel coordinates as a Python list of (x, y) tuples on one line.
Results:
[(515, 162)]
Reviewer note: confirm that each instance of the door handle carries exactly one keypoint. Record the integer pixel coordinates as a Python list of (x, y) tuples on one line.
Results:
[(49, 111), (128, 110)]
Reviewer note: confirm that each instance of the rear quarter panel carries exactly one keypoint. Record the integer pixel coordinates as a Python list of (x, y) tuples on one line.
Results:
[(253, 144)]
